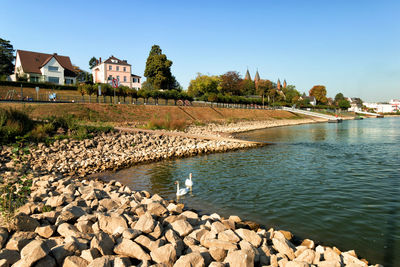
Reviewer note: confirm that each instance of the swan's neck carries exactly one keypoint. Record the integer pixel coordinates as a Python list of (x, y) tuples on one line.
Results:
[(177, 187), (190, 177)]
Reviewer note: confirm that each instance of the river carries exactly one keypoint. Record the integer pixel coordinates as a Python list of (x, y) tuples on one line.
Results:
[(338, 184)]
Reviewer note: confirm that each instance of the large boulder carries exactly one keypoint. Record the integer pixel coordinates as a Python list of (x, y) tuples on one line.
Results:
[(75, 261), (193, 259), (24, 222), (145, 224), (239, 258), (103, 243), (34, 251), (131, 249), (282, 246), (165, 254), (249, 236), (112, 224), (182, 227)]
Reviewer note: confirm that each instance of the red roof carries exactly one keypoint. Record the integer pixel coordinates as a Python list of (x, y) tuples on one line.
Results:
[(32, 62)]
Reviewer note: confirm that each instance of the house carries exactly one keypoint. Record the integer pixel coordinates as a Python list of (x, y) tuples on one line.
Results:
[(392, 106), (114, 68), (41, 67), (312, 99), (355, 104)]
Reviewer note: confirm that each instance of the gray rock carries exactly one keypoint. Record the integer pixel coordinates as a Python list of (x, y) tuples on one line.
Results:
[(218, 254), (239, 258), (130, 233), (47, 261), (62, 251), (145, 224), (24, 222), (193, 259), (131, 249), (249, 236), (75, 261), (19, 239), (45, 231), (282, 246), (10, 256), (165, 254), (229, 235), (101, 262), (90, 254), (112, 225), (156, 208), (103, 243), (34, 251), (122, 262), (182, 227)]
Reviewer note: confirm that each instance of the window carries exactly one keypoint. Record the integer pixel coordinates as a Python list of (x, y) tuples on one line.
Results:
[(124, 78), (54, 79), (114, 61), (124, 68), (52, 68), (117, 68), (34, 79), (110, 67), (134, 80), (69, 81), (109, 77)]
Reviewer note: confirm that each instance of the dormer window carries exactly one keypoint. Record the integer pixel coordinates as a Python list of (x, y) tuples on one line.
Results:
[(52, 68), (114, 61)]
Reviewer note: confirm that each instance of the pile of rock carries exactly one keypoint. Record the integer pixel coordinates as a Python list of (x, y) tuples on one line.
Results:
[(244, 126), (114, 151), (92, 223)]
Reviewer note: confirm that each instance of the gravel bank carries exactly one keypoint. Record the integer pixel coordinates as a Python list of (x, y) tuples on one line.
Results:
[(92, 223)]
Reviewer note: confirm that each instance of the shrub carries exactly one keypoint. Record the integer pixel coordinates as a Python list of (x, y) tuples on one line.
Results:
[(13, 123)]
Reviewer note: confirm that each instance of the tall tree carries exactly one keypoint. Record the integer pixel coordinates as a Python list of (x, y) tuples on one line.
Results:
[(292, 95), (338, 97), (92, 62), (319, 92), (203, 84), (158, 70), (248, 87), (230, 83), (6, 57)]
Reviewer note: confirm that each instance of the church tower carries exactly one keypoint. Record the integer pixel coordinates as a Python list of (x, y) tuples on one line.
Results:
[(247, 77), (284, 83), (256, 78), (278, 84)]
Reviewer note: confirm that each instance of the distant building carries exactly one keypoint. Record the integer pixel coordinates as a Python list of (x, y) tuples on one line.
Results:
[(355, 104), (41, 67), (114, 68), (392, 106), (312, 99)]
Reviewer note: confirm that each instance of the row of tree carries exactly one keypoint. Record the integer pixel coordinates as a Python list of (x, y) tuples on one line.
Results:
[(124, 92)]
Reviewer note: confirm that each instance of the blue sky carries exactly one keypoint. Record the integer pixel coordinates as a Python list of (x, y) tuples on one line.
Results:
[(351, 47)]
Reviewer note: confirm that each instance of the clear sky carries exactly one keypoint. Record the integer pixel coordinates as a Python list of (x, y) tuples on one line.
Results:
[(351, 47)]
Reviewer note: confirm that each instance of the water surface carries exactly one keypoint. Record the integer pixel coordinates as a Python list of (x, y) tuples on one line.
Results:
[(334, 183)]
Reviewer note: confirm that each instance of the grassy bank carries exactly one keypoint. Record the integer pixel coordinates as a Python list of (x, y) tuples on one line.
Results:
[(142, 115)]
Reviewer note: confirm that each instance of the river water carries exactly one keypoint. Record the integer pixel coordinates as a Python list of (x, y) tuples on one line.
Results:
[(338, 184)]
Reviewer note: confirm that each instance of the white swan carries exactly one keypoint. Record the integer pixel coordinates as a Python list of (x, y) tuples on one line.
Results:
[(189, 182), (181, 192)]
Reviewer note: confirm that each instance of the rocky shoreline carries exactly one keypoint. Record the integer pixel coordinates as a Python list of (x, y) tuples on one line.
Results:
[(70, 220), (93, 223)]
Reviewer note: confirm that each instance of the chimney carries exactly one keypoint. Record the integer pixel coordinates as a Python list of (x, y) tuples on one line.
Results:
[(55, 54), (97, 62), (100, 60)]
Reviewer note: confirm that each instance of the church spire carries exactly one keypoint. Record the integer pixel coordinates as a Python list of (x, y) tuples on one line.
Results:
[(284, 83), (247, 77), (257, 77), (278, 84)]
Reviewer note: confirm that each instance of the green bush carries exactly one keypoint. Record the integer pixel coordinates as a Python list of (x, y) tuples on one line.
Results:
[(41, 85), (13, 123)]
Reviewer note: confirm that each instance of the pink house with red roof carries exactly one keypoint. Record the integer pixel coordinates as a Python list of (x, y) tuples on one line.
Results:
[(41, 67)]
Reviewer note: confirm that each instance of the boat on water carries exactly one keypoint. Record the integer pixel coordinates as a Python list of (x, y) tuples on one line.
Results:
[(358, 118), (335, 121)]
